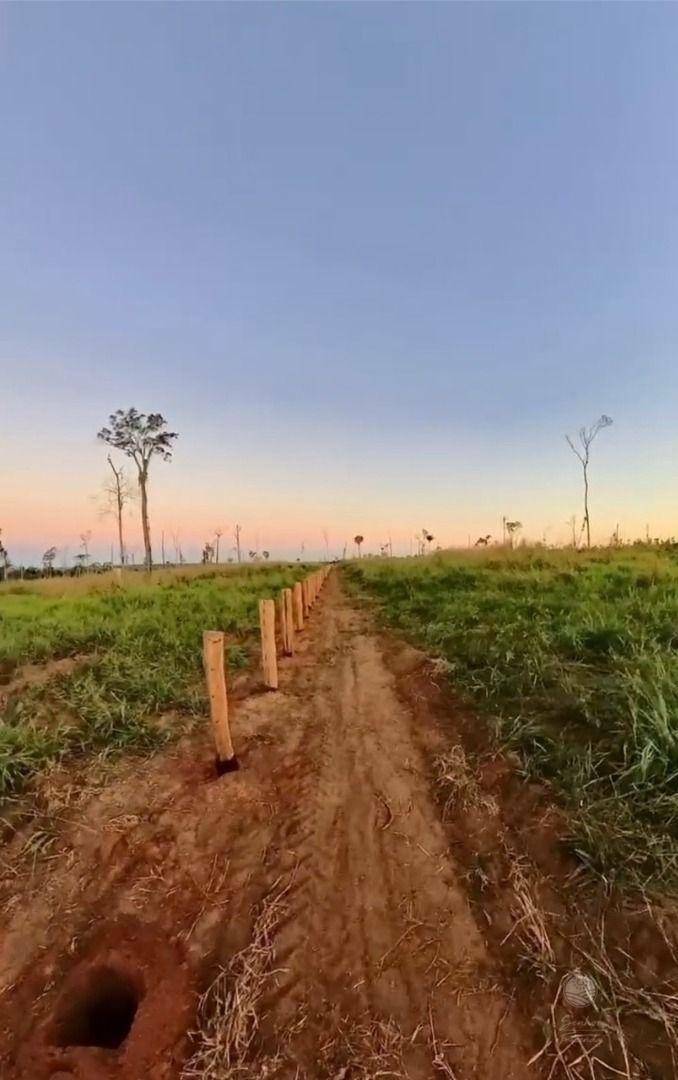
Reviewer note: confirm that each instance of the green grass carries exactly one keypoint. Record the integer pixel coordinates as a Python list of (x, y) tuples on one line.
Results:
[(575, 656), (143, 646)]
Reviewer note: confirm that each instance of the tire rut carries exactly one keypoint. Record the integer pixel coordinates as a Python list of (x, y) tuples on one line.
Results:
[(380, 923)]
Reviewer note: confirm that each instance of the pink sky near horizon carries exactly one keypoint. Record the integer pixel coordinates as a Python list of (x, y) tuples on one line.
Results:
[(285, 479), (281, 505)]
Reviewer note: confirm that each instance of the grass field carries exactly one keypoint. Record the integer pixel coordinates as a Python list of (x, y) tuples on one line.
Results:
[(574, 657), (141, 649)]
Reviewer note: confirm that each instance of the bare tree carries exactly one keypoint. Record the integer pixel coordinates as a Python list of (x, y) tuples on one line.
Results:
[(218, 533), (237, 529), (85, 538), (4, 559), (422, 540), (358, 541), (48, 561), (141, 437), (177, 546), (583, 452), (572, 522), (512, 527), (117, 494)]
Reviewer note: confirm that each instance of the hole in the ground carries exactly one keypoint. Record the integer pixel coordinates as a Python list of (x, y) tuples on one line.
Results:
[(101, 1013), (227, 766)]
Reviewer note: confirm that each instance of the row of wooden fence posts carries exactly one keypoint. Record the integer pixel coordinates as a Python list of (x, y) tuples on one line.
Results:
[(292, 609)]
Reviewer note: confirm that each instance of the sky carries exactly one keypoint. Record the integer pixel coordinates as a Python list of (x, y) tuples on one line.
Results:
[(371, 261)]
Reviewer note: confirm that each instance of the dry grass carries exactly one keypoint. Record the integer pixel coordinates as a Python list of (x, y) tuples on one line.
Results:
[(136, 577), (368, 1051), (594, 1044), (530, 926), (455, 777), (228, 1013), (229, 1020)]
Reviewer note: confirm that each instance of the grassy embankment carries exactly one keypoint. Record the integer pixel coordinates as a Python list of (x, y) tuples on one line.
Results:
[(142, 647), (575, 658)]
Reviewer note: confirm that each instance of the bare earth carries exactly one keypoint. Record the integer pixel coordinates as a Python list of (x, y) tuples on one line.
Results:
[(368, 931)]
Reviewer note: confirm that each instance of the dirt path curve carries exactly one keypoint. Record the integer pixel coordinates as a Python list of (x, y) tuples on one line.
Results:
[(376, 955)]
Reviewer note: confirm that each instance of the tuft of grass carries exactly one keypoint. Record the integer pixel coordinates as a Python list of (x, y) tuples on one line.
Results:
[(457, 781)]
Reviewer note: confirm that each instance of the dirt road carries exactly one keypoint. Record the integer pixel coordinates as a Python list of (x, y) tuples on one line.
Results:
[(321, 876)]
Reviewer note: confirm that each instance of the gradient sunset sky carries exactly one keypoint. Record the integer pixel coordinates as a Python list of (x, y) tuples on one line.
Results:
[(371, 261)]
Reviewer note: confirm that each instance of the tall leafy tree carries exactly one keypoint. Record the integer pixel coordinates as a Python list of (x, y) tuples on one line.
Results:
[(141, 437)]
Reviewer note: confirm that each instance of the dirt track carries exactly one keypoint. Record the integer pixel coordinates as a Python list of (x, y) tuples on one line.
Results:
[(380, 949)]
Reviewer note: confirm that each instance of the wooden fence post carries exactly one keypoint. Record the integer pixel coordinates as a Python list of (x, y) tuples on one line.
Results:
[(269, 660), (280, 626), (213, 660), (305, 597), (288, 612), (298, 601), (286, 622)]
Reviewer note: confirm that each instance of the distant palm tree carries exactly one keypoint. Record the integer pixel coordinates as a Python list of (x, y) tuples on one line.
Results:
[(358, 540)]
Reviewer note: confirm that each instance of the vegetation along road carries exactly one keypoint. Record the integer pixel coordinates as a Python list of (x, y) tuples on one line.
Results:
[(448, 851)]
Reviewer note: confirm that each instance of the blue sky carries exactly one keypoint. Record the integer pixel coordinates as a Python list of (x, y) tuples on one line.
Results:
[(372, 261)]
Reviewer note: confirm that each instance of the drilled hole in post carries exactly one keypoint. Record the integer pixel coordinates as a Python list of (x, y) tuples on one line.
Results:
[(101, 1014)]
